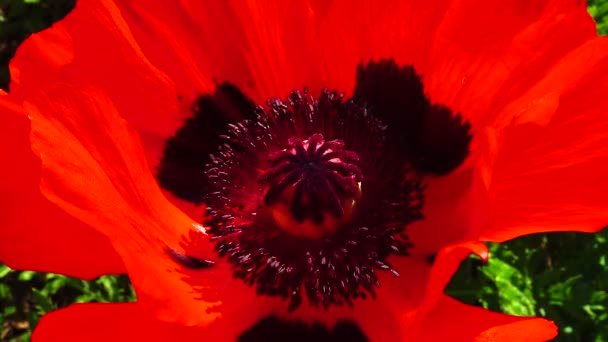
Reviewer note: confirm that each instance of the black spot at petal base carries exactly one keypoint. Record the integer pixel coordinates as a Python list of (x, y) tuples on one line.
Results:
[(188, 261), (395, 94), (187, 152), (435, 139), (442, 141), (272, 329)]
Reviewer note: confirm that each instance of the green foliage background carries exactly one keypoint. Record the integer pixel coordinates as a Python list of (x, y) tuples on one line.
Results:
[(561, 276)]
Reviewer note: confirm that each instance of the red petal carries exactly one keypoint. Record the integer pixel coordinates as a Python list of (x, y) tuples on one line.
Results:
[(486, 54), (354, 32), (38, 60), (283, 51), (266, 48), (108, 322), (170, 38), (455, 210), (445, 265), (525, 330), (550, 171), (128, 322), (94, 168), (34, 231), (451, 320), (106, 54), (540, 102)]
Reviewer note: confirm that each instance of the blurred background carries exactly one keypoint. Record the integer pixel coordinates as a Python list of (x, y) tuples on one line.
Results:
[(561, 276)]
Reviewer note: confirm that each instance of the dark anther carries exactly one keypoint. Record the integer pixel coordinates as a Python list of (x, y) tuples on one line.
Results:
[(188, 261), (272, 329), (322, 175), (435, 139)]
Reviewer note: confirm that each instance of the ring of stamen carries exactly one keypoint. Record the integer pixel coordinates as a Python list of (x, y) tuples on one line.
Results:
[(288, 169)]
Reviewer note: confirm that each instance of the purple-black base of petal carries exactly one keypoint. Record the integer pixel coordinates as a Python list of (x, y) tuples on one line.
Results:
[(187, 152), (436, 139), (271, 329)]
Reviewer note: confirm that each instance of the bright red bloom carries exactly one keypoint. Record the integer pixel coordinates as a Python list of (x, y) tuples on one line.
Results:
[(105, 88)]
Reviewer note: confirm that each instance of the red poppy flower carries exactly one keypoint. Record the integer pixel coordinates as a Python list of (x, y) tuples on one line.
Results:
[(297, 209)]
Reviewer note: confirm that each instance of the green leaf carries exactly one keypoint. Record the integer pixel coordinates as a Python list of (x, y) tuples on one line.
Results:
[(26, 275), (514, 288), (4, 271), (43, 302)]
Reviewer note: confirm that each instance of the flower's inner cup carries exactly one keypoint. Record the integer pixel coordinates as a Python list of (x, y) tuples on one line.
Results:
[(289, 207), (312, 187), (309, 196)]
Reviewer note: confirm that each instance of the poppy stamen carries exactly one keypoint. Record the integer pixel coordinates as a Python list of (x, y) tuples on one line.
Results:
[(288, 205)]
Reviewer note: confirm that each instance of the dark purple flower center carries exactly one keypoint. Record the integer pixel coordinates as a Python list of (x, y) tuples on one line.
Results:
[(290, 210), (309, 196)]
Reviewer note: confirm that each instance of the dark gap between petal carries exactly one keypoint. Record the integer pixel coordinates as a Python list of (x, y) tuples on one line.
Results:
[(187, 152)]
